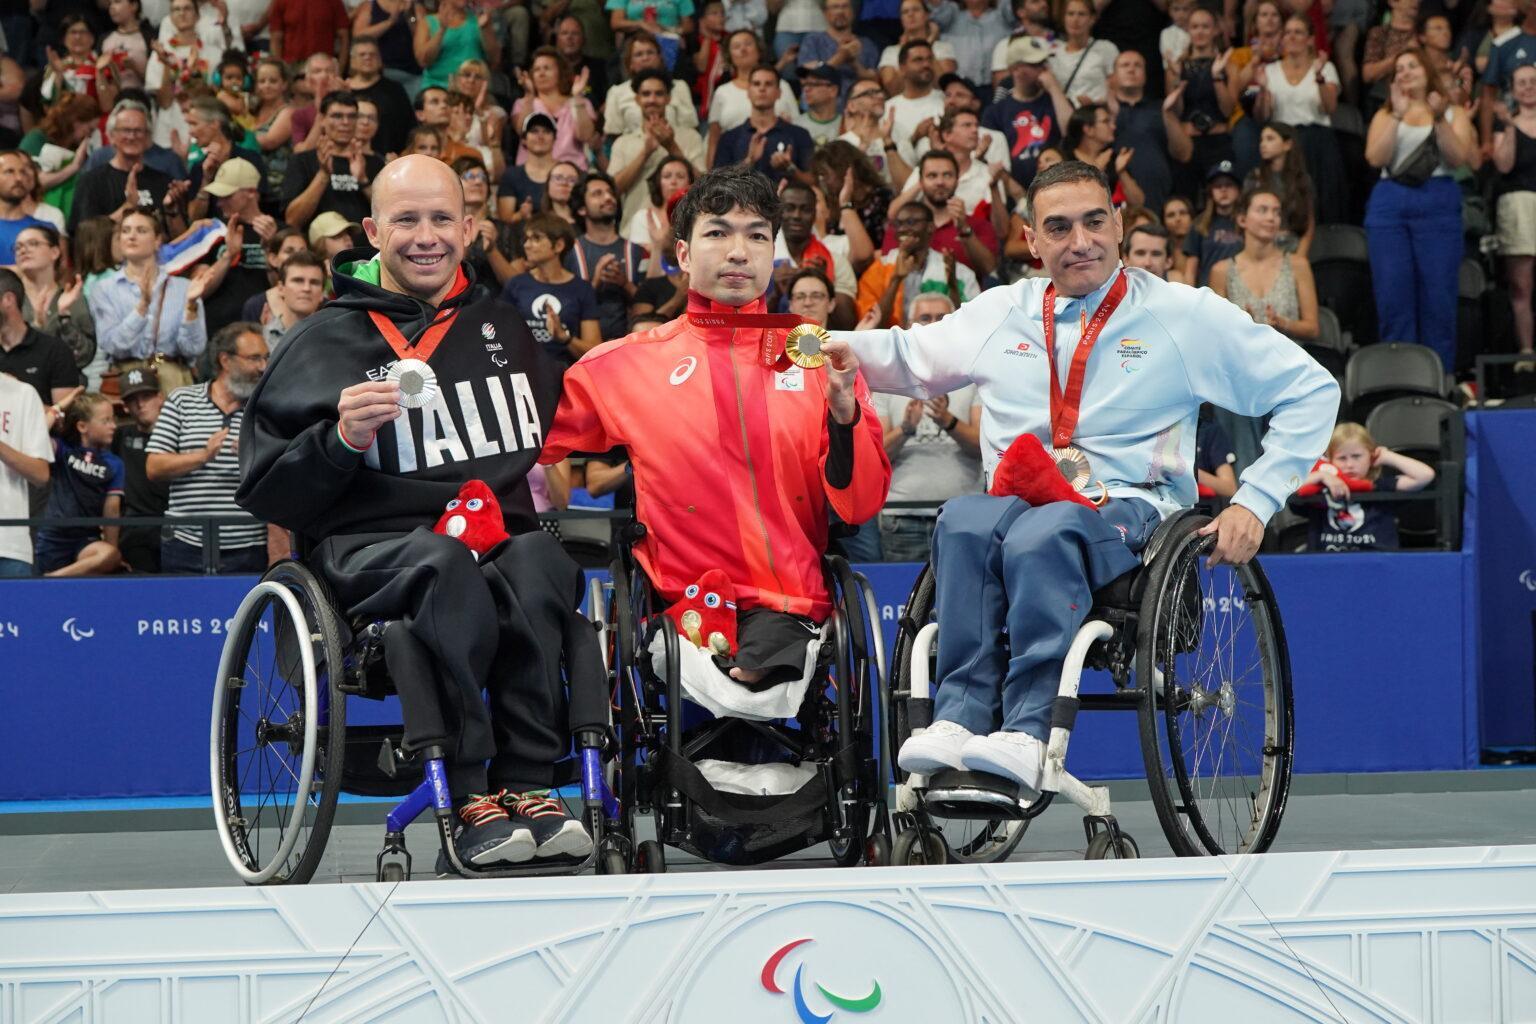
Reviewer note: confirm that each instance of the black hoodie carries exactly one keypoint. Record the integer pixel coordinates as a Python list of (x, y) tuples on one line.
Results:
[(496, 397)]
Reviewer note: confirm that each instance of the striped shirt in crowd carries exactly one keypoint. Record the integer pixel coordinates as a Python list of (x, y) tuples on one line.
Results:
[(187, 420)]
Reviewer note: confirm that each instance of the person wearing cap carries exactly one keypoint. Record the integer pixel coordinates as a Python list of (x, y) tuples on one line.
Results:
[(1034, 19), (1214, 235), (521, 191), (1028, 570), (331, 233), (210, 127), (822, 117), (139, 389), (1035, 112), (240, 268), (916, 25), (638, 152)]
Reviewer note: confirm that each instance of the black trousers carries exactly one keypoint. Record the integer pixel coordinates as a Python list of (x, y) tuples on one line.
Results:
[(508, 625)]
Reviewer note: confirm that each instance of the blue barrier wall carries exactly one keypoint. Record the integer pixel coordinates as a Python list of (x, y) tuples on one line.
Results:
[(107, 682), (1400, 660)]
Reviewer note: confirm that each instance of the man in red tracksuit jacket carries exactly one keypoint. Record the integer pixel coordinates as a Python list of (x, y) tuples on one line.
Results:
[(736, 455)]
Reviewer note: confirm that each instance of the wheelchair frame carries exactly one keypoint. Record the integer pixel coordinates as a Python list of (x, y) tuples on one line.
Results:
[(650, 715), (313, 728), (1133, 623)]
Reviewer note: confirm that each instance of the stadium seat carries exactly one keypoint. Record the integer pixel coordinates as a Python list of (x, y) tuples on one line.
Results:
[(1430, 430), (1394, 369), (1341, 266), (1332, 346)]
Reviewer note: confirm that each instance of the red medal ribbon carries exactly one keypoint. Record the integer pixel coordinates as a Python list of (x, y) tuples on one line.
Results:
[(430, 338), (1065, 407), (772, 353)]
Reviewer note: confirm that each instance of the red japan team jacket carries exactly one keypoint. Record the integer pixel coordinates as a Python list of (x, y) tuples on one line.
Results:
[(729, 456)]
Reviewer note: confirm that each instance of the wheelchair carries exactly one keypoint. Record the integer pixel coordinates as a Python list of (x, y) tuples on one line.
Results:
[(281, 752), (1198, 654), (831, 738)]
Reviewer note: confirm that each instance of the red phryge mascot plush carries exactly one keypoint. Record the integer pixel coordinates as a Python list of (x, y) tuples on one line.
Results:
[(1028, 472), (1354, 483), (706, 614), (475, 518)]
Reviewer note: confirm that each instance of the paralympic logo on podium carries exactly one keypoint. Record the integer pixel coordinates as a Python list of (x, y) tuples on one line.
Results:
[(770, 982)]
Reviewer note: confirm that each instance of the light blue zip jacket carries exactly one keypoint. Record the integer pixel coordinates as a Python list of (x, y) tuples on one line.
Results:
[(1166, 349)]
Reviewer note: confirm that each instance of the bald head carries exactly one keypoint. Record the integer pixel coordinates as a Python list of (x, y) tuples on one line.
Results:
[(415, 170), (419, 227)]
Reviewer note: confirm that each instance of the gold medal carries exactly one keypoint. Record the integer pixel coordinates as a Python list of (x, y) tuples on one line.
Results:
[(803, 345)]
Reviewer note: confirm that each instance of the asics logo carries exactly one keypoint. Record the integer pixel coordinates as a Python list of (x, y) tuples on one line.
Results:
[(683, 370)]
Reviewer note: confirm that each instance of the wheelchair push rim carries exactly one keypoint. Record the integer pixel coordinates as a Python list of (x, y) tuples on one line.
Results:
[(273, 798), (1217, 718)]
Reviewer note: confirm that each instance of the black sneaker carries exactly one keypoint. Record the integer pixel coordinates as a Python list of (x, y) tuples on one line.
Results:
[(485, 834), (555, 833)]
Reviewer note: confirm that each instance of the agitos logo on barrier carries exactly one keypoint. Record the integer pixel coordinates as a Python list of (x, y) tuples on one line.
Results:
[(802, 1008)]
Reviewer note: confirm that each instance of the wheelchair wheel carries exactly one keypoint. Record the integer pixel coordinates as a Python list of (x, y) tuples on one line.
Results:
[(1216, 718), (919, 847), (277, 715), (849, 852)]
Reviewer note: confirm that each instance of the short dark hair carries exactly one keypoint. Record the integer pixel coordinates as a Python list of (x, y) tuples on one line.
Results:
[(421, 97), (765, 66), (1154, 229), (918, 205), (302, 258), (722, 190), (1065, 173), (553, 227), (909, 46), (579, 194), (10, 284), (815, 274), (226, 340), (639, 78), (938, 154), (339, 98)]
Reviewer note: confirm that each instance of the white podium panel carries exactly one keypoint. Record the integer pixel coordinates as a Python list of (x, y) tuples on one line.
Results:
[(1395, 935)]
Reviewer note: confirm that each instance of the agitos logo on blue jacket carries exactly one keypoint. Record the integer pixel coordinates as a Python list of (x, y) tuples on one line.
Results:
[(802, 1008)]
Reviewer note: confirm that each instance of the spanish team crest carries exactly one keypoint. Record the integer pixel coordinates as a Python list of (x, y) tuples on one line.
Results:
[(1131, 351), (488, 331)]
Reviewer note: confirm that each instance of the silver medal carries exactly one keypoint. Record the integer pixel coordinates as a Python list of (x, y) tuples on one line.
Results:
[(416, 381)]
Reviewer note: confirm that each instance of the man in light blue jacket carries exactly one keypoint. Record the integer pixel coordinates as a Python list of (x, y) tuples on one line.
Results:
[(1134, 357)]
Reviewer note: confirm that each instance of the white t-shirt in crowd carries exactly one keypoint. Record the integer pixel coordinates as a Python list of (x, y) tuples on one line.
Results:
[(930, 465), (906, 114), (890, 57), (24, 427), (730, 106), (1301, 103), (801, 16), (843, 280), (1088, 69)]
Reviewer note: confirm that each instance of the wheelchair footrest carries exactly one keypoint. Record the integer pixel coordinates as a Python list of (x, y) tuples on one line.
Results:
[(972, 795)]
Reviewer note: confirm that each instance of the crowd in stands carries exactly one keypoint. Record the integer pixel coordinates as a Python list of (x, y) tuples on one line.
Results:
[(176, 177)]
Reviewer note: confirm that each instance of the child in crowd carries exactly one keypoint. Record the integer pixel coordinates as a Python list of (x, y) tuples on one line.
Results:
[(87, 482), (1355, 462)]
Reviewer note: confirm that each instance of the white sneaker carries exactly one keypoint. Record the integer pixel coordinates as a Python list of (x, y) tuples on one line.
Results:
[(936, 748), (1013, 755)]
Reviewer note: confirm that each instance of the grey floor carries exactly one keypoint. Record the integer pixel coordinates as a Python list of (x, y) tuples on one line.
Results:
[(53, 861)]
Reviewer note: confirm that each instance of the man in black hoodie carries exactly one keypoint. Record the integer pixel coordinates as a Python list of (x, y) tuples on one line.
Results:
[(362, 479)]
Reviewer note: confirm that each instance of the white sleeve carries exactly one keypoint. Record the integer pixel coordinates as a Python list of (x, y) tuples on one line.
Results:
[(33, 431), (1253, 370), (888, 57), (154, 74), (928, 360)]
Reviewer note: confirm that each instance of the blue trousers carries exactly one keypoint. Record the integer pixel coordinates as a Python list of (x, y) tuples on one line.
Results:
[(1014, 584), (1414, 238)]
